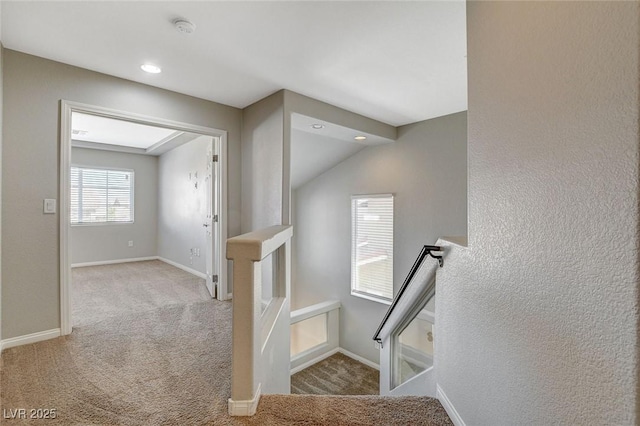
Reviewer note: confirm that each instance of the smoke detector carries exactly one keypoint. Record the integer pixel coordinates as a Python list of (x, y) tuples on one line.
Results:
[(184, 26)]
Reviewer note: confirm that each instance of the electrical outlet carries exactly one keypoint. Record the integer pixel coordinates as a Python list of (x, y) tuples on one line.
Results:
[(130, 243)]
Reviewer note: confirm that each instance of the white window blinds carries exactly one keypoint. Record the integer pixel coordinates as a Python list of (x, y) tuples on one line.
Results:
[(101, 195), (372, 246)]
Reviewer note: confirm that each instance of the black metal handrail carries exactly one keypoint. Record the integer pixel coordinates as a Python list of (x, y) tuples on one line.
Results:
[(426, 251)]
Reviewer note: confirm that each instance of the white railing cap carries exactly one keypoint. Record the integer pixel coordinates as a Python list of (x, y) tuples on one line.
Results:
[(259, 244), (314, 310)]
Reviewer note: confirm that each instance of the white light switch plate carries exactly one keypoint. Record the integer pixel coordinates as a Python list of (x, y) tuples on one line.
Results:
[(49, 205)]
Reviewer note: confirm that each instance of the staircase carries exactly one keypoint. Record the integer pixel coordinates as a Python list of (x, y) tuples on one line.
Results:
[(261, 352)]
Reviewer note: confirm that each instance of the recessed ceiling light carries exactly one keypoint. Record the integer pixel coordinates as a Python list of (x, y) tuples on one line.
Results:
[(360, 138), (151, 69), (317, 126)]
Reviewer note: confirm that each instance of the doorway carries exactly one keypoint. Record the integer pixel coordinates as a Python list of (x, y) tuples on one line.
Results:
[(207, 259)]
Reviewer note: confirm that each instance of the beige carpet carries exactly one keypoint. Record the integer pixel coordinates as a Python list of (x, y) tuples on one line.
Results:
[(100, 292), (170, 366), (337, 375)]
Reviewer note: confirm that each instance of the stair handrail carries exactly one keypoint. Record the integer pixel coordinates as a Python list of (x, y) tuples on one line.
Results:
[(424, 252)]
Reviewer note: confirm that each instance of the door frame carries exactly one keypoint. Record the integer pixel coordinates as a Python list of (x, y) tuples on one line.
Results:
[(219, 246)]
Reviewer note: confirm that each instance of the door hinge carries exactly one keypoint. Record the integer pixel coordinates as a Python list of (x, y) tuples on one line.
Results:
[(215, 218), (215, 158), (214, 278)]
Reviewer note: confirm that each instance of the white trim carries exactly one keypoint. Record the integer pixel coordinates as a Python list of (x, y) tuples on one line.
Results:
[(229, 296), (65, 216), (113, 262), (315, 360), (333, 352), (314, 310), (371, 297), (449, 408), (29, 338), (66, 110), (359, 358), (220, 243), (245, 408), (184, 268)]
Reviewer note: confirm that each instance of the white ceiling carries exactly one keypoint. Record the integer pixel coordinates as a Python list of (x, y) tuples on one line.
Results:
[(314, 151), (93, 128), (397, 62), (108, 134), (314, 154), (334, 131)]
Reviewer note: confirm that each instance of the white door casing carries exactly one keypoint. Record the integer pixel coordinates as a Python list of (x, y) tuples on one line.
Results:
[(218, 194), (211, 221)]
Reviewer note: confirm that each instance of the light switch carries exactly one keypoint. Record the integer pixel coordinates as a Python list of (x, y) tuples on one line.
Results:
[(49, 205)]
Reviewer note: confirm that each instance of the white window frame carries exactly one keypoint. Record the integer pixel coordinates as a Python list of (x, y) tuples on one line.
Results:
[(354, 246), (132, 196)]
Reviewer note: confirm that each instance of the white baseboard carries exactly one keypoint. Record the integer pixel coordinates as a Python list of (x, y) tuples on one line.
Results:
[(184, 268), (448, 406), (245, 408), (314, 360), (29, 338), (113, 262), (333, 352), (359, 358)]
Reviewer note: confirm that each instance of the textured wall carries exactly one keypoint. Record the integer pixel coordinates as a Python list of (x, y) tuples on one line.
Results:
[(182, 206), (537, 321), (426, 170), (91, 243), (33, 88)]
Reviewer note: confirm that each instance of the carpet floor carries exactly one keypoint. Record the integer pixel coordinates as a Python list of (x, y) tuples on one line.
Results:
[(337, 375), (106, 291), (170, 366)]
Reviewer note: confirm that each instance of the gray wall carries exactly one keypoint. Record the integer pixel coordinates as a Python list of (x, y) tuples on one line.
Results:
[(426, 169), (91, 243), (537, 320), (33, 88), (262, 163), (183, 207)]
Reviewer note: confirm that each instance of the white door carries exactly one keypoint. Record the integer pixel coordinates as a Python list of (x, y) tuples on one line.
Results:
[(210, 219)]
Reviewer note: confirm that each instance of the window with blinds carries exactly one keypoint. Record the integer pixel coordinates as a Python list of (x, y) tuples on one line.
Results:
[(101, 195), (372, 246)]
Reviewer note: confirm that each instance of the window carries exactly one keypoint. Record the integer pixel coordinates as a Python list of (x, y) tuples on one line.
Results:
[(372, 247), (101, 196)]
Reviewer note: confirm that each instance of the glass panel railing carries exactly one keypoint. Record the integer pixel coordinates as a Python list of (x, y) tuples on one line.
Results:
[(413, 348), (416, 274)]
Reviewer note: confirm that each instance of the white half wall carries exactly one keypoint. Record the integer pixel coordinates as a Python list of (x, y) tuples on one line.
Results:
[(182, 203), (538, 320), (426, 170), (105, 242)]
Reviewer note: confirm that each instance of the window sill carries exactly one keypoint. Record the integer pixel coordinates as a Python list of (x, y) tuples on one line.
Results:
[(371, 298), (73, 225)]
